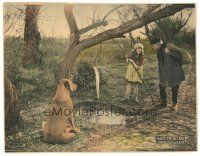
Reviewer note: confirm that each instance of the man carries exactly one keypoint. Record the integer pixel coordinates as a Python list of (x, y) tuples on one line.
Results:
[(171, 73)]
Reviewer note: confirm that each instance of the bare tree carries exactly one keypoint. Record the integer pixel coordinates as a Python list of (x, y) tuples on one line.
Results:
[(76, 45), (32, 36), (12, 85), (12, 90), (11, 18), (168, 29), (133, 12)]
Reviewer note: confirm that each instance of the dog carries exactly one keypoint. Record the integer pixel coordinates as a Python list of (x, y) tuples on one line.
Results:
[(59, 127)]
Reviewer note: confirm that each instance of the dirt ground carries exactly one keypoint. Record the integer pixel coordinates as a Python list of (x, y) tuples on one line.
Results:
[(137, 133)]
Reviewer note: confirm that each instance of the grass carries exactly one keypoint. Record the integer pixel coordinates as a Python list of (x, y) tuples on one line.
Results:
[(139, 134)]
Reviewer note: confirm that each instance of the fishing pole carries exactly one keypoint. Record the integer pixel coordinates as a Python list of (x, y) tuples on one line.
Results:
[(133, 66)]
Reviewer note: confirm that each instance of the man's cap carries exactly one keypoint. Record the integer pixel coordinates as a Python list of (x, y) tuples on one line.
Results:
[(154, 40)]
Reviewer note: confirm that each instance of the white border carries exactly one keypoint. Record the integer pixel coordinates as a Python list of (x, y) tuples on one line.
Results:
[(99, 1)]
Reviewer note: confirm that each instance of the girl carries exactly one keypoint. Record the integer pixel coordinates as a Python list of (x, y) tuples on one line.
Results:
[(136, 58)]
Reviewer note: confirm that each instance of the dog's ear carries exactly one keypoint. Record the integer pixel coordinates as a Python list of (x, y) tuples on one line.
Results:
[(66, 84)]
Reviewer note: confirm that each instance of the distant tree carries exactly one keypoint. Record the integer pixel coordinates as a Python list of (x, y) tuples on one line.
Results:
[(32, 36), (169, 28), (132, 12)]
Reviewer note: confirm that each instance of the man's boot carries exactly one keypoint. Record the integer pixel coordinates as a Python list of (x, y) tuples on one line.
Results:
[(174, 98), (163, 104), (175, 107)]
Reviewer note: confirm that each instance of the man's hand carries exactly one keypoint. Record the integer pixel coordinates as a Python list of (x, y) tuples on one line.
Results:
[(167, 51)]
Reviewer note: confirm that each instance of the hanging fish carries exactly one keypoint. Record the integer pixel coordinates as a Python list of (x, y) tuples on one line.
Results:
[(97, 78)]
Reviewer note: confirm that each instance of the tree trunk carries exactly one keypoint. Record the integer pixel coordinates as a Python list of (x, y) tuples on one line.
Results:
[(32, 36), (11, 104), (66, 66), (12, 90)]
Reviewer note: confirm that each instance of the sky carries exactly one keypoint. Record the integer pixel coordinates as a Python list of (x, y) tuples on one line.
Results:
[(52, 21)]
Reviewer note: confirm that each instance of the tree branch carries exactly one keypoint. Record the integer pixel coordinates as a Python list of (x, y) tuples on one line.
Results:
[(93, 26), (111, 12), (147, 31), (74, 34), (150, 9), (99, 23), (186, 20), (133, 25), (135, 12), (70, 18)]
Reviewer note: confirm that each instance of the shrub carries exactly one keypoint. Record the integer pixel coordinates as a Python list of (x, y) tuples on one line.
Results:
[(84, 75)]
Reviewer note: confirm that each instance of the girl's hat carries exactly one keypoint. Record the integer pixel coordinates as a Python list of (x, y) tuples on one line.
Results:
[(138, 45)]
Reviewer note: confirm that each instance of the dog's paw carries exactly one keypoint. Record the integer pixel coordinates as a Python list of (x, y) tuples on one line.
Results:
[(76, 130)]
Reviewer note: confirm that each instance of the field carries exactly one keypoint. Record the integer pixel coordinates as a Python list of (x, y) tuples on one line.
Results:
[(120, 132)]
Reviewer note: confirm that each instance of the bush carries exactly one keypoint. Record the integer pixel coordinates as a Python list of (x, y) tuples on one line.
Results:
[(84, 75)]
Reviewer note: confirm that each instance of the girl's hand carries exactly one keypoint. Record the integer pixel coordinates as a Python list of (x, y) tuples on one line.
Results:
[(130, 60), (137, 67)]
